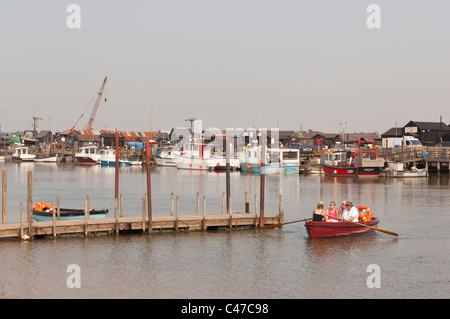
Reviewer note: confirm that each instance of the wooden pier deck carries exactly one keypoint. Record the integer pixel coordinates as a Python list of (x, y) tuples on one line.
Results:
[(134, 224)]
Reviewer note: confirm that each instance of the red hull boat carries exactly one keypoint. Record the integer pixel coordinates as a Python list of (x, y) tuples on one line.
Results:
[(363, 162), (319, 230)]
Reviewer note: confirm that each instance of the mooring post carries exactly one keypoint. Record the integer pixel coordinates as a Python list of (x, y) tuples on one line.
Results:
[(58, 207), (116, 188), (121, 205), (149, 184), (4, 193), (143, 214), (231, 215), (30, 203), (228, 188), (256, 211), (21, 220), (223, 203), (171, 204), (54, 218), (116, 215), (86, 210), (281, 210), (247, 203), (175, 224), (204, 214), (262, 178), (198, 203)]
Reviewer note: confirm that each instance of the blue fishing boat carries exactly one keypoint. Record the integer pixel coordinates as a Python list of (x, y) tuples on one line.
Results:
[(278, 160), (108, 158)]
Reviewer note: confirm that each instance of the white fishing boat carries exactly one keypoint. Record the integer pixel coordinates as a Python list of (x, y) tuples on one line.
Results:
[(88, 155), (47, 159), (398, 170), (108, 158), (219, 162), (278, 160), (193, 156), (22, 154), (164, 156)]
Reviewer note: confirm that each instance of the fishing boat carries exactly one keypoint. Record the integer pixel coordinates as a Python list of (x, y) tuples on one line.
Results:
[(88, 155), (278, 160), (47, 159), (164, 157), (108, 158), (44, 211), (193, 156), (219, 162), (22, 154), (320, 230), (363, 162), (398, 170)]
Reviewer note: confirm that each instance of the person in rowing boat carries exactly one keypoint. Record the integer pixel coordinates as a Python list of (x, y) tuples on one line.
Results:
[(341, 209), (319, 213), (350, 213), (332, 213)]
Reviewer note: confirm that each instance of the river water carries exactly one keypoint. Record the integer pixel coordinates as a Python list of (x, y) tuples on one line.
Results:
[(244, 263)]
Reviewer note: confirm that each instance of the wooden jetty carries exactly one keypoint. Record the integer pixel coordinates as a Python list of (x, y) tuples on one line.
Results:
[(94, 226)]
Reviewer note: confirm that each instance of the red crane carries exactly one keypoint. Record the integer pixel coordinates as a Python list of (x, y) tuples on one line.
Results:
[(96, 105)]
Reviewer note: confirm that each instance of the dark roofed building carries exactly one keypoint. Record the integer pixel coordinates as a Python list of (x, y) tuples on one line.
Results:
[(429, 133)]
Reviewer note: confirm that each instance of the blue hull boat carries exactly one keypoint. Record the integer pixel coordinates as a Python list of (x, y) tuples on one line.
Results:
[(67, 213)]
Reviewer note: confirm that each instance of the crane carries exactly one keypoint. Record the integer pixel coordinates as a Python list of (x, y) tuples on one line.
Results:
[(96, 105)]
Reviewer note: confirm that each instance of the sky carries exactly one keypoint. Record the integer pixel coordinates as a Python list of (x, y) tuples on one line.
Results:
[(230, 63)]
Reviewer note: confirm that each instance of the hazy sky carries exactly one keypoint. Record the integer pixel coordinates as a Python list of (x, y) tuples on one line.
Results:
[(232, 63)]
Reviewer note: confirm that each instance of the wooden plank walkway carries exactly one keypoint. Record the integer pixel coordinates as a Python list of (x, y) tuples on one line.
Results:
[(135, 224)]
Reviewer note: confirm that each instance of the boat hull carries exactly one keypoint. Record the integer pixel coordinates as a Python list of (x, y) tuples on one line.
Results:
[(66, 213), (347, 171), (113, 163), (270, 168), (161, 161), (86, 160), (320, 230), (192, 163)]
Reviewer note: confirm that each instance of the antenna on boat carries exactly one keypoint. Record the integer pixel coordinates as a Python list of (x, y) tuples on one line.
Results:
[(343, 126)]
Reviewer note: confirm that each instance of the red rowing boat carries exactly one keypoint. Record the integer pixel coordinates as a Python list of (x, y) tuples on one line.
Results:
[(319, 230)]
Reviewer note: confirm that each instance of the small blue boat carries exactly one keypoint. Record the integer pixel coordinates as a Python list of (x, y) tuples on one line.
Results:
[(68, 213)]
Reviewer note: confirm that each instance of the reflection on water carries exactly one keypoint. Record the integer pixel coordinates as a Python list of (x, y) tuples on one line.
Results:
[(275, 263)]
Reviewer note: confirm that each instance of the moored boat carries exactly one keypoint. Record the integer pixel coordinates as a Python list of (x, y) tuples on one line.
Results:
[(88, 155), (44, 211), (320, 230), (164, 157), (22, 154), (363, 162), (278, 160)]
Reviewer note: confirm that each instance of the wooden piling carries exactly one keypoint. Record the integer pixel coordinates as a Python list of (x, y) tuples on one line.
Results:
[(281, 209), (228, 187), (21, 220), (116, 215), (4, 193), (171, 204), (121, 205), (30, 203), (262, 178), (204, 214), (149, 184), (143, 214), (230, 213), (223, 203), (256, 211), (54, 219), (86, 212), (175, 224), (116, 179), (58, 208), (198, 203), (247, 203)]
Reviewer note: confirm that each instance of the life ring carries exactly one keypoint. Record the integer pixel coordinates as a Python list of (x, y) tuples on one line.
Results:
[(40, 206), (366, 214)]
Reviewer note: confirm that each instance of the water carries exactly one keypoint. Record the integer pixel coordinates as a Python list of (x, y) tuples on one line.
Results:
[(272, 263)]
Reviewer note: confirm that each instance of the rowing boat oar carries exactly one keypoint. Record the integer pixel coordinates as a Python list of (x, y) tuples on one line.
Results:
[(379, 229), (281, 224)]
